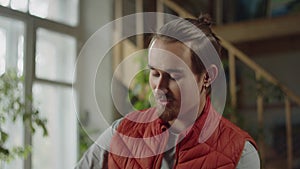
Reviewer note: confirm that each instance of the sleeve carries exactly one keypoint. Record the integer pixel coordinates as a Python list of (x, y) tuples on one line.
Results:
[(96, 156), (249, 158)]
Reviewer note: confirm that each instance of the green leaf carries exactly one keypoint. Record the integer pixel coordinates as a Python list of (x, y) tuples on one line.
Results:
[(4, 151), (13, 107), (3, 137)]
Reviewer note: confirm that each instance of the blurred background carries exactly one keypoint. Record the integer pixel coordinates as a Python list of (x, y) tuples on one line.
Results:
[(47, 115)]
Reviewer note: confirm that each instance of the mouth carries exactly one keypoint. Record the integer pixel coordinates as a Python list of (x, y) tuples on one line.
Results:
[(164, 101)]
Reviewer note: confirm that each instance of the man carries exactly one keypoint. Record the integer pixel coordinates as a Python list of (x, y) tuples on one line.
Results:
[(183, 130)]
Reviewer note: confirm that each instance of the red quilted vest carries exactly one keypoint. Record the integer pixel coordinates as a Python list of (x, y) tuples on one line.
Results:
[(212, 142)]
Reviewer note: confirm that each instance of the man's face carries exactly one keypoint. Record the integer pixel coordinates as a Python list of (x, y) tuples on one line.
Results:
[(176, 88)]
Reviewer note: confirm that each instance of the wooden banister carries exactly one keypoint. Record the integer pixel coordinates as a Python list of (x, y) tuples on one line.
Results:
[(257, 68), (232, 85), (289, 134), (260, 120)]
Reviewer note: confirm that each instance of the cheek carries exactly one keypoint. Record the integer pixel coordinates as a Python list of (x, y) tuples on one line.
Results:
[(151, 82), (189, 89), (174, 87)]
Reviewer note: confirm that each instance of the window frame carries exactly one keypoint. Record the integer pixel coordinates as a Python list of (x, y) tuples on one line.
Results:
[(31, 24)]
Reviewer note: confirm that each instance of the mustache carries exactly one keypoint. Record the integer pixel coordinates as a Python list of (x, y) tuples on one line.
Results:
[(161, 96)]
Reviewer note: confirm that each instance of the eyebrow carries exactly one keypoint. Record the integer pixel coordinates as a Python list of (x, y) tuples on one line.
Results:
[(180, 70)]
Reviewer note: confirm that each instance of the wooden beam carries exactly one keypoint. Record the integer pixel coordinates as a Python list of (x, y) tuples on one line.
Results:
[(117, 50), (270, 46), (178, 9), (260, 120), (289, 137), (219, 11), (139, 24), (232, 85), (160, 9), (260, 29)]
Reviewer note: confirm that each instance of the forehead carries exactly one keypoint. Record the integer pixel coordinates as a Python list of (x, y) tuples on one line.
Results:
[(169, 55)]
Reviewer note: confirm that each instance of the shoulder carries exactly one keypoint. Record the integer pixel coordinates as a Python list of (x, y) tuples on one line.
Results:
[(230, 140), (94, 158), (236, 132), (249, 158)]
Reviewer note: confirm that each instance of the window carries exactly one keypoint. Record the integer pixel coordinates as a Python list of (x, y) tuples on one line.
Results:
[(57, 150), (283, 7), (20, 5), (4, 2), (46, 53), (63, 11), (11, 38), (55, 56), (3, 51)]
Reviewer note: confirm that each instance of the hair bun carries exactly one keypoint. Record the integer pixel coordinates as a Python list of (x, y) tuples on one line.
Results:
[(205, 19)]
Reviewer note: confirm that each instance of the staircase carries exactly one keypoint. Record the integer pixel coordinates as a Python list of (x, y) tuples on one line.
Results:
[(288, 102)]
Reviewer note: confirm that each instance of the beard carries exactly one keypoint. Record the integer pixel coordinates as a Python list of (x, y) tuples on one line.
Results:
[(168, 113), (174, 112)]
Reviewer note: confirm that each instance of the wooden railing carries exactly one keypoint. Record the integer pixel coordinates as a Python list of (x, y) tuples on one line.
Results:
[(260, 73), (233, 55)]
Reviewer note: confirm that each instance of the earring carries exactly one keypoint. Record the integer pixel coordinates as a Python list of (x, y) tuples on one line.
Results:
[(206, 85)]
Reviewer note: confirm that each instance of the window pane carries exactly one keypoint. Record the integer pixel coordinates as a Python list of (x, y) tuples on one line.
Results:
[(59, 149), (65, 11), (4, 2), (283, 7), (12, 38), (16, 135), (3, 51), (20, 5), (55, 57)]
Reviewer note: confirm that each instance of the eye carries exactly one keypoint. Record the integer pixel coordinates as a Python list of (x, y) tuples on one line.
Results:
[(154, 73), (175, 77)]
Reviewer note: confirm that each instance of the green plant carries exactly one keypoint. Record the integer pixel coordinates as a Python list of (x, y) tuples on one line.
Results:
[(139, 94), (12, 108), (84, 141), (139, 91), (269, 91)]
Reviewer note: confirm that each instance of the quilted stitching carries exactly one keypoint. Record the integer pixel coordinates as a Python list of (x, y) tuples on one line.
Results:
[(222, 149)]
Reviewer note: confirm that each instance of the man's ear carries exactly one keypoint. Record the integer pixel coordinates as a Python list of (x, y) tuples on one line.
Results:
[(211, 75)]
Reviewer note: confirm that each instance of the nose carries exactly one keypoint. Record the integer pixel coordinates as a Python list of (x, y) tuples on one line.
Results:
[(162, 85)]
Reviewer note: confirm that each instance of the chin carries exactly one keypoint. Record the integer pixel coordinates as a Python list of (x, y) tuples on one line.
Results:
[(168, 115)]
